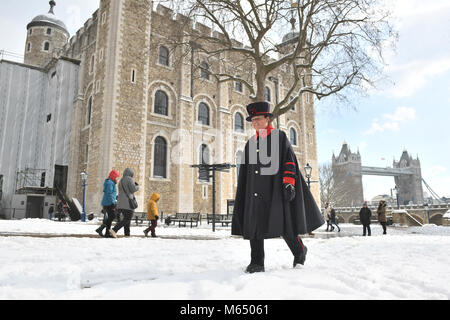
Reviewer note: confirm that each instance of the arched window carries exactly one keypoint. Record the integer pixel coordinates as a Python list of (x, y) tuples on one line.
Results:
[(161, 103), (204, 70), (238, 122), (267, 94), (49, 31), (89, 112), (163, 56), (160, 160), (91, 69), (204, 159), (47, 46), (203, 113), (293, 136)]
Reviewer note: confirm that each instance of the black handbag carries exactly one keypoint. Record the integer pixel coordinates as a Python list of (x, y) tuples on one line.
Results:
[(133, 203)]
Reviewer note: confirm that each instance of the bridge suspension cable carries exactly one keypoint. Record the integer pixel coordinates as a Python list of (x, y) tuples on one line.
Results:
[(433, 194)]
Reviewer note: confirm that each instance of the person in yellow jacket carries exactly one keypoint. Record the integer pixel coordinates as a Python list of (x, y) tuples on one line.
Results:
[(152, 214)]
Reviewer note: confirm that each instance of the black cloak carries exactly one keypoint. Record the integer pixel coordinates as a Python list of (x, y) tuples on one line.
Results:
[(260, 210)]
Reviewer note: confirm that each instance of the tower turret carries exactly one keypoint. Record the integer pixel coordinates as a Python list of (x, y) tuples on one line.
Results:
[(46, 35)]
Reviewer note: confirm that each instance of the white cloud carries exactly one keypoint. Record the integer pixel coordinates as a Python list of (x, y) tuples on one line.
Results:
[(391, 122), (415, 75)]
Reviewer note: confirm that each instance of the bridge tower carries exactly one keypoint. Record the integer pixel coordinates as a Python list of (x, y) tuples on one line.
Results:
[(347, 176), (410, 186)]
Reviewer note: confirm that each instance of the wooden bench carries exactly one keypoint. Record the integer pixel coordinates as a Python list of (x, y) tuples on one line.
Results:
[(139, 217), (224, 219), (184, 218)]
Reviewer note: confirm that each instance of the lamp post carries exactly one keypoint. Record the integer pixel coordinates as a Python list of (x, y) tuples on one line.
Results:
[(84, 177), (308, 171), (396, 196)]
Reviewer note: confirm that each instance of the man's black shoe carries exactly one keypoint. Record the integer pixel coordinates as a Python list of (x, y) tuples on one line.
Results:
[(252, 268), (301, 258)]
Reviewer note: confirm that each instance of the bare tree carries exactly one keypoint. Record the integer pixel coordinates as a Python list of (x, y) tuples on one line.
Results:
[(333, 44), (333, 187)]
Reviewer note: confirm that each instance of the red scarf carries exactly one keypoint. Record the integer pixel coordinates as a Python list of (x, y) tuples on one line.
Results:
[(264, 132)]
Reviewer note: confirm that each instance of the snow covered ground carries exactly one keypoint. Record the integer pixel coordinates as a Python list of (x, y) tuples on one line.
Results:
[(197, 264)]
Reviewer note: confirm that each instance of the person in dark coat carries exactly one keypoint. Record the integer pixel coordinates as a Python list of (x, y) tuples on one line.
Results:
[(381, 211), (364, 216), (333, 220), (51, 210), (127, 188), (109, 203), (272, 198)]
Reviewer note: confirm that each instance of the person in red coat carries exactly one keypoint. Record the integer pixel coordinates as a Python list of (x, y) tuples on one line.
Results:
[(272, 198)]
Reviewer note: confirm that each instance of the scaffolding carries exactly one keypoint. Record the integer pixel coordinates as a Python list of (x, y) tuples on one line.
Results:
[(31, 181)]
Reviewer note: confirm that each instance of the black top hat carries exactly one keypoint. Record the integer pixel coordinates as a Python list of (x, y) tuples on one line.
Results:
[(258, 109)]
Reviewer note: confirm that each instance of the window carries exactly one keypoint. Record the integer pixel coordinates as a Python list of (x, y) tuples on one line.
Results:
[(101, 55), (89, 112), (46, 46), (133, 76), (238, 85), (91, 68), (238, 122), (29, 46), (293, 136), (86, 154), (42, 179), (204, 159), (203, 113), (160, 161), (49, 31), (49, 117), (31, 31), (163, 56), (267, 94), (1, 186), (103, 17), (204, 70), (161, 103)]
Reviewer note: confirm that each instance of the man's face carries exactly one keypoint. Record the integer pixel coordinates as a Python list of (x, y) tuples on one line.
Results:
[(260, 122)]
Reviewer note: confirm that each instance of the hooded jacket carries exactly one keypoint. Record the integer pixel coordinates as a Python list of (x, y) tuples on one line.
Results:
[(127, 188), (110, 190), (152, 207)]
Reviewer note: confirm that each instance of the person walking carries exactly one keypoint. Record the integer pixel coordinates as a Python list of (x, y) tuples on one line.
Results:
[(333, 220), (51, 210), (109, 201), (272, 197), (364, 216), (127, 188), (152, 214), (326, 214), (59, 207), (381, 211)]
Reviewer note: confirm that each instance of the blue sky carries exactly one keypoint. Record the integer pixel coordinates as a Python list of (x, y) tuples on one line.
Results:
[(410, 111)]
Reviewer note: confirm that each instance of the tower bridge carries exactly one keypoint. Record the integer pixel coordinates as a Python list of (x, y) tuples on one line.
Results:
[(348, 171)]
